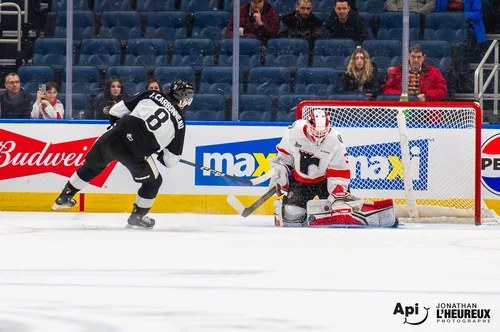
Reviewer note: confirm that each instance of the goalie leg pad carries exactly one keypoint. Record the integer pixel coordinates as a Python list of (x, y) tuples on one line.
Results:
[(372, 214), (289, 215)]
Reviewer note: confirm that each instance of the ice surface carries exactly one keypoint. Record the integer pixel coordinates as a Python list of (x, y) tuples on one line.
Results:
[(85, 272)]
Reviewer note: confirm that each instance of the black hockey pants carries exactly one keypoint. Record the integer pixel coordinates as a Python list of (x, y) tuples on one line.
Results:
[(110, 147)]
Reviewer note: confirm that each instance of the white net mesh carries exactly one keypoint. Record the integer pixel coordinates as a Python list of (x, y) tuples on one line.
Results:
[(442, 144)]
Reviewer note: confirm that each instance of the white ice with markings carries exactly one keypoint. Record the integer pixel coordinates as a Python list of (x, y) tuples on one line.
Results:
[(84, 272)]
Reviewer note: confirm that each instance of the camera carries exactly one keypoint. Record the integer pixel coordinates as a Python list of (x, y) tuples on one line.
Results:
[(42, 88)]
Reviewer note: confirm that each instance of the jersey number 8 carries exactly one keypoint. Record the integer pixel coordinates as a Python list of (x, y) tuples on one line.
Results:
[(155, 121)]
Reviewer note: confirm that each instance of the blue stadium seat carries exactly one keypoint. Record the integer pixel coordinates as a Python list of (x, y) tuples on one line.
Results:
[(269, 80), (326, 6), (168, 25), (85, 79), (146, 52), (83, 25), (287, 52), (250, 53), (51, 51), (206, 107), (79, 103), (102, 5), (348, 96), (283, 6), (368, 18), (144, 6), (133, 78), (332, 52), (120, 24), (449, 26), (31, 76), (287, 106), (100, 52), (168, 74), (391, 26), (228, 5), (255, 108), (371, 6), (218, 80), (320, 15), (384, 53), (210, 24), (197, 53), (60, 5), (395, 97), (438, 54), (316, 81), (191, 6)]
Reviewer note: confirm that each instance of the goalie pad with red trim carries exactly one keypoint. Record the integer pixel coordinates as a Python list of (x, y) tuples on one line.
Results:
[(359, 213)]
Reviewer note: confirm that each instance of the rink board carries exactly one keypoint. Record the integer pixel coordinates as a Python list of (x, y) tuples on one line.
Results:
[(36, 159)]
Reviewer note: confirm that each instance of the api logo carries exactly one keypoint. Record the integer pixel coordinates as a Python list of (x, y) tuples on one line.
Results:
[(379, 166), (409, 311), (490, 164), (247, 160)]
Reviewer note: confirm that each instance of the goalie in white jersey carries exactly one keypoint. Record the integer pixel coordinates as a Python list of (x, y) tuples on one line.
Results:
[(312, 161), (146, 123)]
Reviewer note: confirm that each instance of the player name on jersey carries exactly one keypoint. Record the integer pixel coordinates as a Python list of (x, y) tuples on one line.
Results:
[(159, 98)]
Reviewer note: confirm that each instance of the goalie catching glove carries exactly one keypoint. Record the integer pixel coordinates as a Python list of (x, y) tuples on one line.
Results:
[(279, 178)]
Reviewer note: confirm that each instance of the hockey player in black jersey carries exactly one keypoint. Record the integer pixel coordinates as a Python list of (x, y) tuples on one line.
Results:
[(149, 122)]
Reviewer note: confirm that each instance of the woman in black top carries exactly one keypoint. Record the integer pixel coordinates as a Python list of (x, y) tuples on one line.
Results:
[(361, 75)]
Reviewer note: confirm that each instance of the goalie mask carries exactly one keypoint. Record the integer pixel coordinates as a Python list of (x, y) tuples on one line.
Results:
[(318, 126), (183, 92)]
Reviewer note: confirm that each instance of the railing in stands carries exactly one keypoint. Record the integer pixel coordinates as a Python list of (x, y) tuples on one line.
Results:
[(17, 12), (480, 85)]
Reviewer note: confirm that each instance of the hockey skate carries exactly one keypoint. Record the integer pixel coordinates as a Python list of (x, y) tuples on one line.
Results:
[(139, 219), (65, 199)]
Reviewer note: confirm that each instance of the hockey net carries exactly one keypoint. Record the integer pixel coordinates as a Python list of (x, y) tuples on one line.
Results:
[(425, 156)]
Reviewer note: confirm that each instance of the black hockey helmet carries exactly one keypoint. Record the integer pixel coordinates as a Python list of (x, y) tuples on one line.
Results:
[(182, 91)]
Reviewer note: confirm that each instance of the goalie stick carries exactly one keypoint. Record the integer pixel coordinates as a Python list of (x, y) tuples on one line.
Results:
[(251, 182), (246, 211)]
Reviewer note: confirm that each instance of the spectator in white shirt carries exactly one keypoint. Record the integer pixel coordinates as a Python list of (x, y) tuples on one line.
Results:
[(47, 106)]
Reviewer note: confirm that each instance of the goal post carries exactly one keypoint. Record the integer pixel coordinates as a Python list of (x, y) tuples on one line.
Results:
[(424, 155)]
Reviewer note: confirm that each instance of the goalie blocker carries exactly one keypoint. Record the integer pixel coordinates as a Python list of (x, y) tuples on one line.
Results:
[(356, 213)]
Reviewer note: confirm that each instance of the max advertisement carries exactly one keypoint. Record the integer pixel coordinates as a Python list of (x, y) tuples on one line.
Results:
[(37, 159)]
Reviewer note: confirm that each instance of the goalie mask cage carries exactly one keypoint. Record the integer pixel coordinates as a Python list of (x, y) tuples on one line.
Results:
[(425, 156)]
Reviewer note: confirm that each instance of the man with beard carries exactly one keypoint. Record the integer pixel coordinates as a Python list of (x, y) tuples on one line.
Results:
[(301, 23), (345, 23)]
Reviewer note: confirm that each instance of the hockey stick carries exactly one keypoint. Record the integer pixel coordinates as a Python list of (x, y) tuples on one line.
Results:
[(251, 182), (246, 211)]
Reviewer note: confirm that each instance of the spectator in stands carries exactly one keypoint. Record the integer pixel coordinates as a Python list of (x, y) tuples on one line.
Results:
[(361, 75), (301, 23), (154, 84), (473, 10), (424, 81), (423, 7), (113, 93), (15, 103), (47, 106), (258, 20), (345, 23)]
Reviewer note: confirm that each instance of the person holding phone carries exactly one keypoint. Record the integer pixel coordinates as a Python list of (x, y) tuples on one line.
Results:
[(113, 93), (47, 106), (258, 20)]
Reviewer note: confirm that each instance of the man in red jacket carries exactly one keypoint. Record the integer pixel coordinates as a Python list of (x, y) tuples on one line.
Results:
[(258, 20), (425, 82)]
